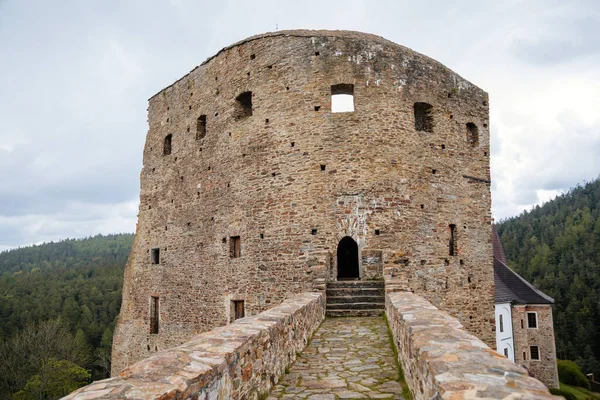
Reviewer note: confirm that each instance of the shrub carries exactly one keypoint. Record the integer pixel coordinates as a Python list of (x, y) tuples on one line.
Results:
[(570, 373), (566, 395)]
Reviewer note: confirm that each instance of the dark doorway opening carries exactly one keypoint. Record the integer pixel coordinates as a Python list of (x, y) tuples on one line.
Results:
[(347, 259)]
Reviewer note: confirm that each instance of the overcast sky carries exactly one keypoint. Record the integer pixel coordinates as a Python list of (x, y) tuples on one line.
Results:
[(75, 77)]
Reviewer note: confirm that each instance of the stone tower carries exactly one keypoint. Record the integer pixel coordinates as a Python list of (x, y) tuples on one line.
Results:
[(254, 187)]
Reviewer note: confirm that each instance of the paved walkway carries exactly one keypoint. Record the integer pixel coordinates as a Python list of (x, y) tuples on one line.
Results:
[(348, 358)]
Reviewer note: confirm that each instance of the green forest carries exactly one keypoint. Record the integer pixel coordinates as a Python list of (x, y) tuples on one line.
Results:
[(556, 247), (58, 308)]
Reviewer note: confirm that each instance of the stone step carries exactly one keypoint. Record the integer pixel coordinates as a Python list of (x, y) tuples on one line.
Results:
[(353, 313), (356, 306), (355, 284), (356, 291), (354, 299)]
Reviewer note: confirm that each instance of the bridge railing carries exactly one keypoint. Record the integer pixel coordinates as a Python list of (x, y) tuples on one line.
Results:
[(443, 361), (241, 360)]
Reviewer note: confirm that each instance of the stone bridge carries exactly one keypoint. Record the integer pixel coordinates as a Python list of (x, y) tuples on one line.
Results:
[(294, 351)]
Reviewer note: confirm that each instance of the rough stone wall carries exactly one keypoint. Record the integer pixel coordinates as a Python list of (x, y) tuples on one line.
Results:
[(240, 361), (543, 336), (294, 178), (442, 361)]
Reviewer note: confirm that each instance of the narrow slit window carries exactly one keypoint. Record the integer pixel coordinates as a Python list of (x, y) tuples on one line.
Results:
[(201, 127), (501, 324), (235, 247), (167, 145), (534, 351), (472, 134), (452, 241), (154, 313), (505, 352), (531, 320), (423, 117), (155, 255), (238, 309), (342, 98), (243, 105)]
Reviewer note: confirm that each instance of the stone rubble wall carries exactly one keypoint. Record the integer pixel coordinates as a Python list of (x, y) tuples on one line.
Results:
[(442, 361), (243, 360), (294, 178)]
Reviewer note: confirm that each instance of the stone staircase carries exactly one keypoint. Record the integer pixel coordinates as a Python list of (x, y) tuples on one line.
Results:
[(355, 298)]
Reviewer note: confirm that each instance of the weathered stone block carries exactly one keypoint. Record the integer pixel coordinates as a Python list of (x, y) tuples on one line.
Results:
[(441, 360)]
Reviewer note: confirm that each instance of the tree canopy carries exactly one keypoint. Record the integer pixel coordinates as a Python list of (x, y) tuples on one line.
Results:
[(556, 247), (57, 299)]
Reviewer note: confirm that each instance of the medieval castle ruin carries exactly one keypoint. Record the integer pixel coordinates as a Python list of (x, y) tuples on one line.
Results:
[(252, 185), (293, 160)]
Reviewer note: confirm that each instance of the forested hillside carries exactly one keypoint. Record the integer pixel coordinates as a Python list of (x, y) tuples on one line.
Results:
[(557, 248), (59, 301), (67, 293)]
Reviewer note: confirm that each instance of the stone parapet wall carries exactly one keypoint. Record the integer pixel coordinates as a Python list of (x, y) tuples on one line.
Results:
[(442, 361), (242, 360)]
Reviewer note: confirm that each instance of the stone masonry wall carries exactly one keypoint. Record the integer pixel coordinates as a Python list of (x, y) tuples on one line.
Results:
[(293, 178), (240, 361), (442, 361), (543, 336)]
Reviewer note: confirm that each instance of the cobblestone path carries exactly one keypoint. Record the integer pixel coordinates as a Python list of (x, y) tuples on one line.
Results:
[(348, 358)]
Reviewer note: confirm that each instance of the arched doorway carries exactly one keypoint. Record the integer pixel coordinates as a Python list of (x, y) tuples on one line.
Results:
[(347, 259)]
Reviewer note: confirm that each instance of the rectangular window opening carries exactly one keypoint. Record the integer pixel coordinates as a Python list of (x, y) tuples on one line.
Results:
[(155, 255), (472, 134), (535, 352), (423, 117), (154, 313), (342, 98), (452, 241), (235, 247), (506, 352), (238, 309), (201, 127), (531, 320), (501, 324), (243, 105), (167, 145)]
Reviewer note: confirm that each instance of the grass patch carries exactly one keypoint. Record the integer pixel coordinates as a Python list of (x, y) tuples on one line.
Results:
[(401, 378), (580, 393)]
